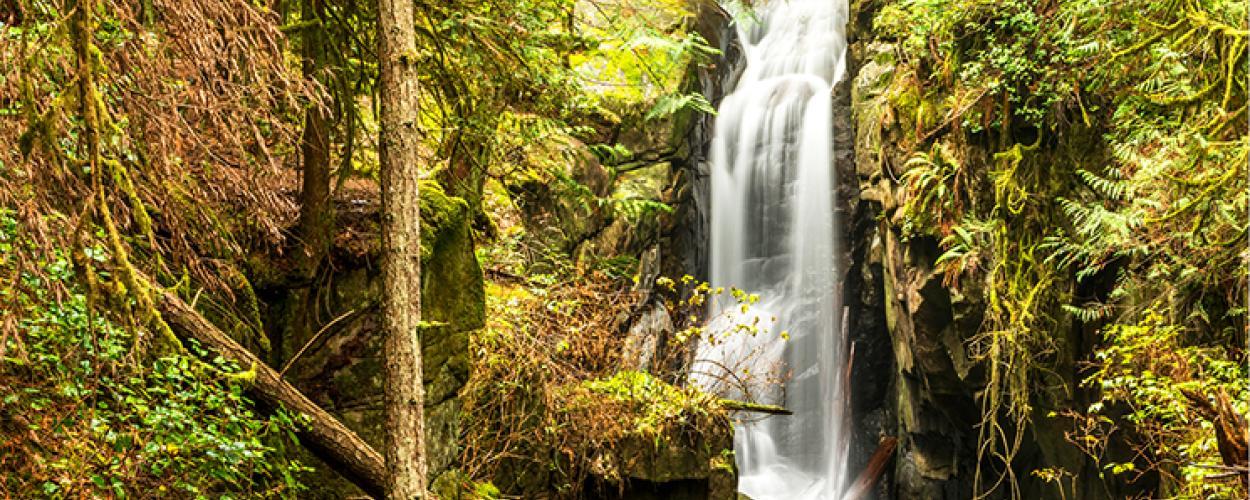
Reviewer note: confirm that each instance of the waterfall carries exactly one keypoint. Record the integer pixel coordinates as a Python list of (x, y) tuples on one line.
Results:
[(774, 234)]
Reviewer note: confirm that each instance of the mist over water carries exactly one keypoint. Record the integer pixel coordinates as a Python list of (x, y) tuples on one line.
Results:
[(773, 234)]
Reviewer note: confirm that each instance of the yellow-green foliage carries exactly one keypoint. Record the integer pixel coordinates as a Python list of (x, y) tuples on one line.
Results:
[(1116, 141), (1148, 373), (656, 407), (643, 49)]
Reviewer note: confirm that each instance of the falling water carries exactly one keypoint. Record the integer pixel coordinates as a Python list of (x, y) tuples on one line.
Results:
[(773, 234)]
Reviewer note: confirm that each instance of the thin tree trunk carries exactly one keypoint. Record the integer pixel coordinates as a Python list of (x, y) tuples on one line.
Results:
[(316, 218), (316, 211), (401, 252), (328, 438)]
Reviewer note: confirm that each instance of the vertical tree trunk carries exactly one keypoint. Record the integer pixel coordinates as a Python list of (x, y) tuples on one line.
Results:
[(401, 252), (82, 29), (316, 210), (316, 217)]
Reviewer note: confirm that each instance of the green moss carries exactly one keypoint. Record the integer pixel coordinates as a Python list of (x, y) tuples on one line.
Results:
[(439, 213), (452, 288), (456, 485), (662, 406)]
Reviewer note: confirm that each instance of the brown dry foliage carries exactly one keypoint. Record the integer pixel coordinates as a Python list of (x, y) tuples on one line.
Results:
[(198, 108), (535, 424)]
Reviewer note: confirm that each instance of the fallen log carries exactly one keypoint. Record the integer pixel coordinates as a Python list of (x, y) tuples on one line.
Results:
[(325, 436), (876, 466), (733, 404)]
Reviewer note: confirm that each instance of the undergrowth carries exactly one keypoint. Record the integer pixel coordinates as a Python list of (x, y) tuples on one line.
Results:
[(84, 414), (551, 404)]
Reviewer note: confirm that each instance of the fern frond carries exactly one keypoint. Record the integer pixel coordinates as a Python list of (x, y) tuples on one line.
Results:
[(1111, 189), (670, 104)]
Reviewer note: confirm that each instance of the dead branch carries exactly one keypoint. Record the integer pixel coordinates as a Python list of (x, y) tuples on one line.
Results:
[(876, 467)]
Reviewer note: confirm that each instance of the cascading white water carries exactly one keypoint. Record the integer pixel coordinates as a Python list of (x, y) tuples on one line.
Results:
[(773, 234)]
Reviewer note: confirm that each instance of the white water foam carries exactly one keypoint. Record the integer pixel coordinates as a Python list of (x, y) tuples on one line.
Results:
[(773, 233)]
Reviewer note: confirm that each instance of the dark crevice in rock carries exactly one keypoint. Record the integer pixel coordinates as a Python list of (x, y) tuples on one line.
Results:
[(684, 244)]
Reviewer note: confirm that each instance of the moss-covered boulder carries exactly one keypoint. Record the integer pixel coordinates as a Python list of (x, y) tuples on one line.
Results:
[(341, 367), (664, 442)]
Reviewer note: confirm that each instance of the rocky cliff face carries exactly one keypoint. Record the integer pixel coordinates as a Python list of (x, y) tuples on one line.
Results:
[(684, 244), (913, 376), (915, 380)]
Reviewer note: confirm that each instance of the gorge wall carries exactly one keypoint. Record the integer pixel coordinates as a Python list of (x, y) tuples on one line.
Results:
[(912, 375)]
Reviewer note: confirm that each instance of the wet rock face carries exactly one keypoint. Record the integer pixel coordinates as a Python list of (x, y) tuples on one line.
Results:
[(686, 471), (685, 232), (936, 413), (911, 374), (642, 342), (871, 360)]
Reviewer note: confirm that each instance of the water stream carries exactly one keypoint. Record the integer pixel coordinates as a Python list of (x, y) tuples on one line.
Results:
[(773, 234)]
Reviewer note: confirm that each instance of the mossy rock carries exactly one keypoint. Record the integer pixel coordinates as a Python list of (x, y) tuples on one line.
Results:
[(452, 289), (343, 372)]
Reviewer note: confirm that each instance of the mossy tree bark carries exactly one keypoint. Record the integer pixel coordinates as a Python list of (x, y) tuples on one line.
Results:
[(401, 252)]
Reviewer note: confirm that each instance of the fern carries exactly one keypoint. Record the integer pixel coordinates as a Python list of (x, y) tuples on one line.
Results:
[(635, 210), (934, 196), (671, 104), (1090, 312), (1111, 189), (611, 153), (675, 47)]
